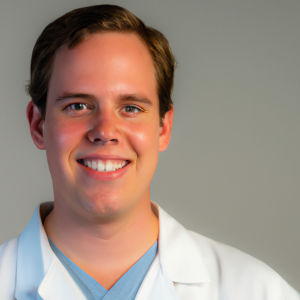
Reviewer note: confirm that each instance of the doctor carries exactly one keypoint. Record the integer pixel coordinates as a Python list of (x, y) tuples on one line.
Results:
[(101, 84)]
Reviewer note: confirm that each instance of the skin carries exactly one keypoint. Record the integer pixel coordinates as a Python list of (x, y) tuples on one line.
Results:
[(103, 225)]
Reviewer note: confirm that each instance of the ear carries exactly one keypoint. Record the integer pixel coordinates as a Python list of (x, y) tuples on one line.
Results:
[(36, 125), (165, 130)]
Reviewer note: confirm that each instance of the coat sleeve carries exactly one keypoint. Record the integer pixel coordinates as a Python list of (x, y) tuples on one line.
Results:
[(236, 275), (252, 278), (8, 262), (288, 293)]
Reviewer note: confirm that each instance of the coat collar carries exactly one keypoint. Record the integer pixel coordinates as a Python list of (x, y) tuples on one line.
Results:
[(180, 256), (34, 255)]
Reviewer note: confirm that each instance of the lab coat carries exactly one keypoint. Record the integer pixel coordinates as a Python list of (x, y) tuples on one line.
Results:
[(187, 266)]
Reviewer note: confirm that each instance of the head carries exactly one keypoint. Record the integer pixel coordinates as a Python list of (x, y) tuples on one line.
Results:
[(72, 28), (101, 84)]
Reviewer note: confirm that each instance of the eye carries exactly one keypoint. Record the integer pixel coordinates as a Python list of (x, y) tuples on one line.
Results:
[(131, 109), (77, 106)]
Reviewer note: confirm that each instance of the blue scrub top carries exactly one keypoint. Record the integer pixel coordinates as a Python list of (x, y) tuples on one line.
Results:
[(125, 289)]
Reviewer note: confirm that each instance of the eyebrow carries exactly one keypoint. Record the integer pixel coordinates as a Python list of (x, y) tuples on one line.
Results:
[(65, 96), (124, 97), (135, 98)]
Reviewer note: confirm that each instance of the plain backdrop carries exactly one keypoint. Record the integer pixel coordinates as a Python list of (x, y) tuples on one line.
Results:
[(232, 169)]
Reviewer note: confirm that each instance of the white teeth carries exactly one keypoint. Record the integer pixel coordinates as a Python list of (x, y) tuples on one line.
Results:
[(94, 165), (109, 166), (103, 166)]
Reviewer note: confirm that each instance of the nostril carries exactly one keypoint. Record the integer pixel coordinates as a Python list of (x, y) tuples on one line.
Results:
[(102, 140)]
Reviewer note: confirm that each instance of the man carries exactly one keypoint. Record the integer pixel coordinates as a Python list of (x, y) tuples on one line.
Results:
[(101, 84)]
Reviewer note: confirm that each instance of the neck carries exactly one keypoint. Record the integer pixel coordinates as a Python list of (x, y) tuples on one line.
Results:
[(105, 249)]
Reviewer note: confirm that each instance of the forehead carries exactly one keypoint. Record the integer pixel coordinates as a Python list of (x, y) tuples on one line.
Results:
[(104, 63)]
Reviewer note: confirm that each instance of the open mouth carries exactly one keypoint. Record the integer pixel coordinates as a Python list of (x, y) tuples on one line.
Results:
[(104, 165)]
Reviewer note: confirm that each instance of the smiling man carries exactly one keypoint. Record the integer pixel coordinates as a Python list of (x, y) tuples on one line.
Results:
[(101, 84)]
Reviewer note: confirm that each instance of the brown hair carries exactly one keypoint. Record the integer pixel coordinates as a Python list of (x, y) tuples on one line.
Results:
[(73, 27)]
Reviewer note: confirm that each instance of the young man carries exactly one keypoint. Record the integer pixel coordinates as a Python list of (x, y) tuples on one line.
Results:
[(101, 84)]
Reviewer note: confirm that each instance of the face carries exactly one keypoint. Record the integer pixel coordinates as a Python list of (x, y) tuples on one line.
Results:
[(102, 131)]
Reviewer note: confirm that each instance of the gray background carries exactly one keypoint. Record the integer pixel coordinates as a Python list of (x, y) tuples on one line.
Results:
[(232, 169)]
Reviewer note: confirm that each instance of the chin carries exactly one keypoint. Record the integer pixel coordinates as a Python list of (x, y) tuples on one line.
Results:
[(102, 205)]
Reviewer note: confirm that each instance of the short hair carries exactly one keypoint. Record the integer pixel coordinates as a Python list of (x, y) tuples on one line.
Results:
[(74, 26)]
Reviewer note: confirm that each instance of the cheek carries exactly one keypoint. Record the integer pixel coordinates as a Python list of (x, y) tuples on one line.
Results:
[(61, 138), (144, 141)]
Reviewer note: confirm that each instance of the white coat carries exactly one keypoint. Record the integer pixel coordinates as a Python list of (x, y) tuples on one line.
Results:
[(188, 266)]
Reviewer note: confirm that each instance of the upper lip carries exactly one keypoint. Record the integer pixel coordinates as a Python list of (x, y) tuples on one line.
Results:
[(103, 157)]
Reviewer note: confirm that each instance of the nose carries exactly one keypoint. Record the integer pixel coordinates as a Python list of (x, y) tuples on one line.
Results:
[(104, 130)]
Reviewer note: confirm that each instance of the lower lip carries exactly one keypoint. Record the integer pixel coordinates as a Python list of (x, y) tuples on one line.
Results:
[(104, 176)]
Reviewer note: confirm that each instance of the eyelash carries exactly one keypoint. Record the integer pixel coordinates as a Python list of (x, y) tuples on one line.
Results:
[(70, 106), (88, 107), (133, 106)]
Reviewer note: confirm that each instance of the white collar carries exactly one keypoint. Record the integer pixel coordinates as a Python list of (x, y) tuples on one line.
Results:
[(34, 255), (180, 256)]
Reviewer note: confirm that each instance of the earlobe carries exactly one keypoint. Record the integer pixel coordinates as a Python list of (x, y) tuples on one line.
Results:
[(36, 125), (165, 130)]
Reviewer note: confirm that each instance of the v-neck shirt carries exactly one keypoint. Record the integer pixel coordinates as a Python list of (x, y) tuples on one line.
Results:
[(125, 288)]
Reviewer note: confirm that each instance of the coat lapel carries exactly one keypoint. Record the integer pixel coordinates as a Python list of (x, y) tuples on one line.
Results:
[(179, 262), (59, 285), (33, 259), (156, 285), (40, 275), (180, 256)]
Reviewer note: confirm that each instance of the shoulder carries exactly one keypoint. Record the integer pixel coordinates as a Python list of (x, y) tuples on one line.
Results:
[(8, 253), (231, 267), (8, 265), (230, 259)]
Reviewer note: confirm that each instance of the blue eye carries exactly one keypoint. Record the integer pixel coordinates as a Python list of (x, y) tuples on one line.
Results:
[(131, 109), (78, 106)]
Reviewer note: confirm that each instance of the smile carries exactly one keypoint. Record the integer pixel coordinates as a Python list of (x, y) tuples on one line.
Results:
[(103, 165)]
